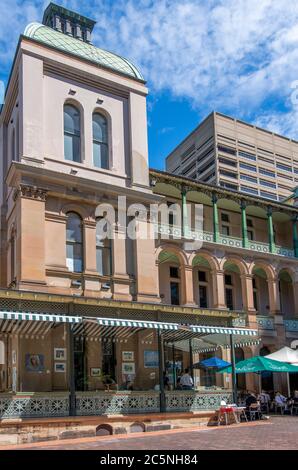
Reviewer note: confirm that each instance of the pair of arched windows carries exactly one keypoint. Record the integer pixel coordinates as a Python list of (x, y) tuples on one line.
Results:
[(72, 137), (74, 246)]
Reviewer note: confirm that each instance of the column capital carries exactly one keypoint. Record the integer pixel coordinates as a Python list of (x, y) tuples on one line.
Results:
[(269, 211), (246, 276), (243, 204), (214, 198), (184, 189)]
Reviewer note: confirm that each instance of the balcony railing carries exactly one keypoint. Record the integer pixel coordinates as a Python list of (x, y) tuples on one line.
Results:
[(291, 325), (234, 242), (265, 323)]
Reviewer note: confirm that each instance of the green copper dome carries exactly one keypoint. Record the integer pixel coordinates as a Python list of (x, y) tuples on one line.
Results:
[(68, 44)]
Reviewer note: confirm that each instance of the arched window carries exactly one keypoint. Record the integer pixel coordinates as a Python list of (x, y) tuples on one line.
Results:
[(100, 141), (103, 247), (72, 133), (74, 244)]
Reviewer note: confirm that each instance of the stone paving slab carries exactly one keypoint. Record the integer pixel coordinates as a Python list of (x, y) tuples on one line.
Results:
[(276, 433)]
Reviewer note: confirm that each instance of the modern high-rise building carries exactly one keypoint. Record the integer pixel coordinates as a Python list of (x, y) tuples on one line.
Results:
[(239, 156)]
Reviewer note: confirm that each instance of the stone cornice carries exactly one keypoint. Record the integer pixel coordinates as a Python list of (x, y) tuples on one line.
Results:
[(30, 192)]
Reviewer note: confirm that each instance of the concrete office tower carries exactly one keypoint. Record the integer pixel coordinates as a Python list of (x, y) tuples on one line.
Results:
[(239, 156)]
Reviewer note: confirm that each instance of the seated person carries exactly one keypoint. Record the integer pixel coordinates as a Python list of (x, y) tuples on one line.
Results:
[(250, 399), (264, 398), (251, 403), (186, 381), (295, 398), (280, 400)]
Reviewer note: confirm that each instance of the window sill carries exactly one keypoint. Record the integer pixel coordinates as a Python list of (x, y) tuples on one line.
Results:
[(85, 166)]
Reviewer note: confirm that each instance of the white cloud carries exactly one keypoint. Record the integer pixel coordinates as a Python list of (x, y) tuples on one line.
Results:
[(231, 55), (283, 123), (236, 56)]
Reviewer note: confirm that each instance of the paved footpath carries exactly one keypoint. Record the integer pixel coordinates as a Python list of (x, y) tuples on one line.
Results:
[(278, 433)]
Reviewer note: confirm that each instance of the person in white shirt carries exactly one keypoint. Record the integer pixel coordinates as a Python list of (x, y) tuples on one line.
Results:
[(186, 381), (280, 400)]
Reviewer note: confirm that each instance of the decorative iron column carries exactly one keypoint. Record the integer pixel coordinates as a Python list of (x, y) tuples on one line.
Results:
[(234, 378), (270, 230), (295, 235), (215, 218), (191, 359), (244, 225), (174, 366), (184, 212), (71, 369), (161, 371)]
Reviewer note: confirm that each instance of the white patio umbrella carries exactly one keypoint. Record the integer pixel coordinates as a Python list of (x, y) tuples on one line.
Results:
[(288, 355)]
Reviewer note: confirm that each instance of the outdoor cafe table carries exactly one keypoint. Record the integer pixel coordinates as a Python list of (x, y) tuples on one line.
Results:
[(229, 414)]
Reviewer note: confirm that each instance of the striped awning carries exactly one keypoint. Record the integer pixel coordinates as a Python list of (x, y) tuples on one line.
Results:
[(223, 330), (27, 316), (137, 324)]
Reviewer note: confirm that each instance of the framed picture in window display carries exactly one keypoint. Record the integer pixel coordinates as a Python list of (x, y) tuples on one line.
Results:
[(34, 362), (60, 367), (95, 372), (151, 359), (60, 354), (128, 368), (128, 356)]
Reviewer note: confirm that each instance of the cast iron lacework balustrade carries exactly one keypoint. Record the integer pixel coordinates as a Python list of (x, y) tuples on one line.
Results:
[(279, 250), (265, 323), (230, 241), (291, 325), (30, 407), (240, 322), (224, 240), (98, 403), (195, 401)]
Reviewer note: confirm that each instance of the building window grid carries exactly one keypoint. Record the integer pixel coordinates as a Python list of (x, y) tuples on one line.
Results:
[(269, 184), (251, 179), (245, 166)]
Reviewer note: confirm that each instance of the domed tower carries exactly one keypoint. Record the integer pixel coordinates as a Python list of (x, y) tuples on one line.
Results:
[(74, 135)]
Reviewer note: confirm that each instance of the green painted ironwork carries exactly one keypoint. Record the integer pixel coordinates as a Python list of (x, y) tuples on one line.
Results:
[(272, 247), (295, 237), (184, 213), (244, 225), (215, 219)]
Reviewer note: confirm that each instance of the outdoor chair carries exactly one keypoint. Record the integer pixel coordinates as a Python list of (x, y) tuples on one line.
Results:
[(265, 407), (280, 407)]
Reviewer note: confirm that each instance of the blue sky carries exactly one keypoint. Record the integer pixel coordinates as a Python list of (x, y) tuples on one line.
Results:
[(238, 57)]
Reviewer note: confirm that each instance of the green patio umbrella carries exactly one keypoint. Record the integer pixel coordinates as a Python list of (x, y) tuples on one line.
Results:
[(260, 364)]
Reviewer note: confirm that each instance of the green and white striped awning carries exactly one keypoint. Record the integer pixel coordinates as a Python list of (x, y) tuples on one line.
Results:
[(137, 324), (27, 316), (223, 330)]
